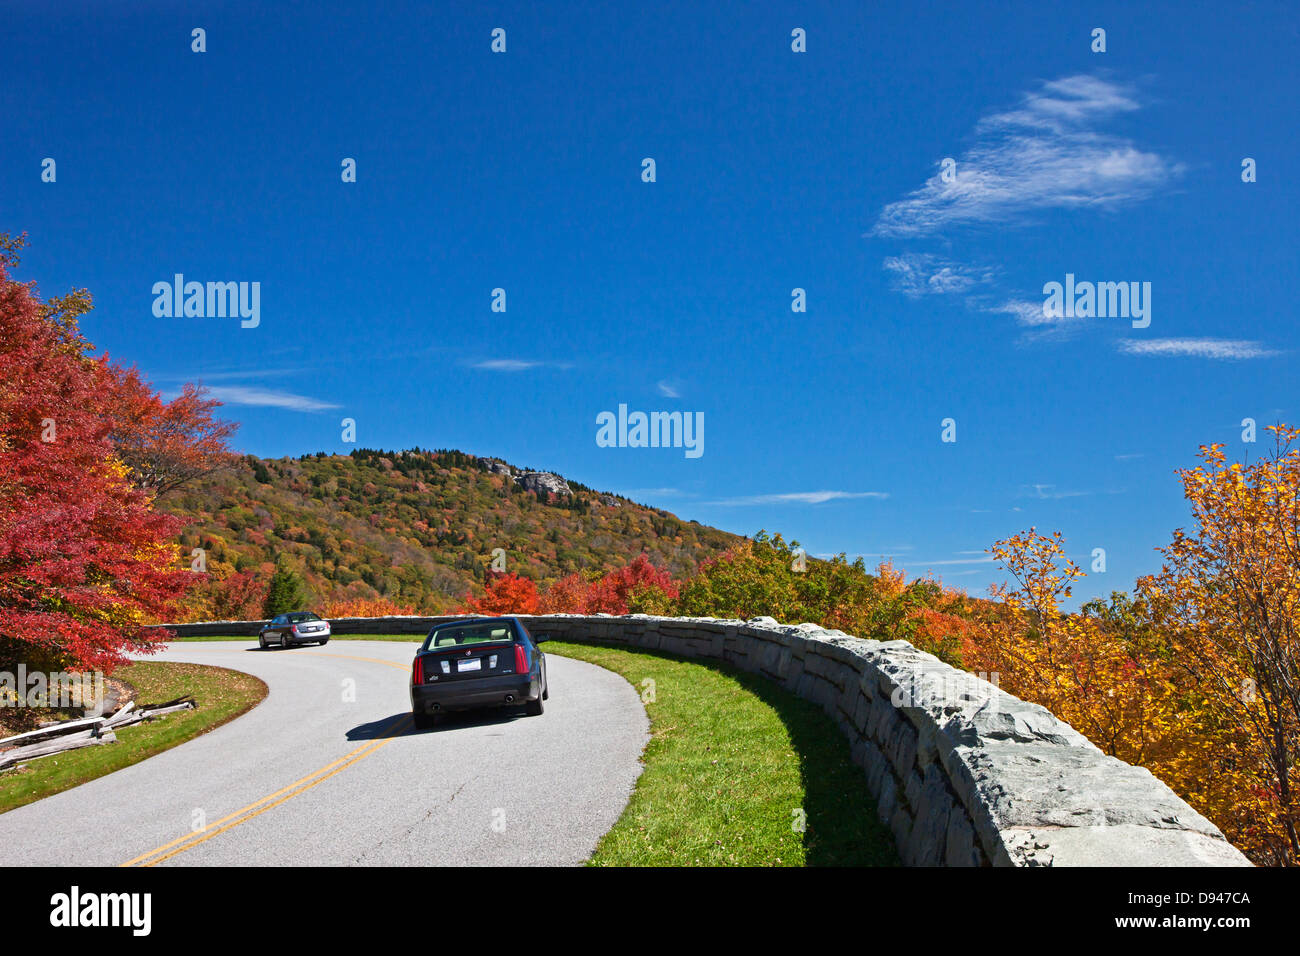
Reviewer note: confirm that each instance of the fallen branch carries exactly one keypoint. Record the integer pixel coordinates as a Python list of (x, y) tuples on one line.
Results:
[(83, 731)]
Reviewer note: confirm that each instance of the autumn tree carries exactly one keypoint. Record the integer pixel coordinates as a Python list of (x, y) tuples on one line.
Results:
[(165, 444), (637, 587), (504, 593), (1229, 595), (85, 560), (226, 594), (1089, 669)]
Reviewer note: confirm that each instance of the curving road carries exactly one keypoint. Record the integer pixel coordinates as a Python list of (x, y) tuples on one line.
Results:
[(328, 770)]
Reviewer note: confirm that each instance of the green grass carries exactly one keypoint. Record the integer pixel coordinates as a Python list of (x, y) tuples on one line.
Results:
[(222, 694), (731, 759)]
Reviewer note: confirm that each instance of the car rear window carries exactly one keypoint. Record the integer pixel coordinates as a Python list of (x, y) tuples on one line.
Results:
[(301, 616), (461, 634)]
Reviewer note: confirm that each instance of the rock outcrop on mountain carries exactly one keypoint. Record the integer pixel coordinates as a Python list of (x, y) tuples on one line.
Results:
[(541, 482)]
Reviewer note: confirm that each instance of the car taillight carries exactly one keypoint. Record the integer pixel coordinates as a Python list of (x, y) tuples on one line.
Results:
[(521, 660), (417, 675)]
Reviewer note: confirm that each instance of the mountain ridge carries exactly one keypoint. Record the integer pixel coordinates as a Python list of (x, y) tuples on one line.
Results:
[(420, 528)]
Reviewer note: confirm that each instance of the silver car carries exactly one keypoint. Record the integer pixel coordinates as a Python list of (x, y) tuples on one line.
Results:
[(297, 627)]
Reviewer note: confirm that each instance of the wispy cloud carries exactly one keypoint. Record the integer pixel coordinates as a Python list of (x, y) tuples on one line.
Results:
[(799, 497), (1229, 349), (949, 562), (917, 274), (651, 492), (515, 365), (1049, 152), (267, 398), (1050, 492), (668, 390), (884, 551)]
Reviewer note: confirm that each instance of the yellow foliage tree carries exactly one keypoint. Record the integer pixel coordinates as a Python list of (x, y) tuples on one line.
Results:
[(1229, 596)]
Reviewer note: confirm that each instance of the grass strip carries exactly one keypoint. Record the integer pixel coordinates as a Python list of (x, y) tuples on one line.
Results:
[(222, 695), (738, 772)]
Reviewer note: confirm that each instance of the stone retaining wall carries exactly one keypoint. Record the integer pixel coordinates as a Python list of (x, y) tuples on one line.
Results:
[(963, 773)]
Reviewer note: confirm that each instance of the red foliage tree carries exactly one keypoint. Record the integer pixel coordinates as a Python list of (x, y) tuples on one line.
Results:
[(85, 561), (613, 593), (165, 444), (238, 597)]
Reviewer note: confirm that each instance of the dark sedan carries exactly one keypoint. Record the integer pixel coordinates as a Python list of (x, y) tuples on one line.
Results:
[(296, 627), (478, 662)]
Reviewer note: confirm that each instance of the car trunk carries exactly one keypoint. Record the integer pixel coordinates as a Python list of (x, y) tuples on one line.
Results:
[(469, 663)]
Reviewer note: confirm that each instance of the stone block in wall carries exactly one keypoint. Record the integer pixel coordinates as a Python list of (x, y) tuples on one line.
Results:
[(887, 798), (817, 664), (876, 767), (903, 748), (932, 810), (959, 841), (858, 751), (875, 714), (901, 827), (869, 683), (912, 788), (1126, 845), (861, 708)]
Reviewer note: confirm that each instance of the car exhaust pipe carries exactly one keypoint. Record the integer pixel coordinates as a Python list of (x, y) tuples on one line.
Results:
[(510, 698), (437, 706)]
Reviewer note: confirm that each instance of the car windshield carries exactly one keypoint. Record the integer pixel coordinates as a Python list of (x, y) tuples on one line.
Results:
[(300, 616), (485, 632)]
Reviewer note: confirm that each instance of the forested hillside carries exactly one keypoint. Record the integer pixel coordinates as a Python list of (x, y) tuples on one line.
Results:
[(417, 528)]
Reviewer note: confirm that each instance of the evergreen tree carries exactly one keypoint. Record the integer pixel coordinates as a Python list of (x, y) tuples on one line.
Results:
[(285, 592)]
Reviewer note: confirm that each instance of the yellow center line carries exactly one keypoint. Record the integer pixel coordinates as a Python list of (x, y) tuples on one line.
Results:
[(353, 657), (243, 815)]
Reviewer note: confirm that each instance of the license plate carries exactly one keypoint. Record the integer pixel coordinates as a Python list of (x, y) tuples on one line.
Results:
[(473, 665)]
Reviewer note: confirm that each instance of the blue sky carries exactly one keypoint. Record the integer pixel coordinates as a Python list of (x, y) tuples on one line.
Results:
[(775, 170)]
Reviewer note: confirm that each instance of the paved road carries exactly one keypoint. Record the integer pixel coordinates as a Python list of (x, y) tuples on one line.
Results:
[(311, 777)]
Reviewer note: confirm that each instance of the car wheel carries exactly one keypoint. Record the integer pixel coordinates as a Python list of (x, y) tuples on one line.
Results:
[(261, 641), (534, 708), (546, 692), (284, 641), (324, 642), (422, 720)]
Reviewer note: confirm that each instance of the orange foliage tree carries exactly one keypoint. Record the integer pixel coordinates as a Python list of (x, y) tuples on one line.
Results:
[(504, 593), (365, 607)]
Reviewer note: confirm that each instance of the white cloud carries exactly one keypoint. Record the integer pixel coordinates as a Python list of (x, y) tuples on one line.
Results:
[(650, 492), (1197, 348), (668, 390), (1048, 153), (1050, 492), (949, 563), (799, 497), (267, 398), (923, 274), (505, 365), (515, 365), (1032, 314)]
